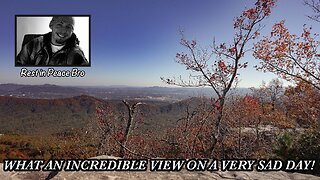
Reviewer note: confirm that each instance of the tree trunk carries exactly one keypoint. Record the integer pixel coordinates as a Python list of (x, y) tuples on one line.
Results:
[(131, 112), (216, 134)]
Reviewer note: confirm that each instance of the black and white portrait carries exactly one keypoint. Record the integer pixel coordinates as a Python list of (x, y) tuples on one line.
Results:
[(58, 40)]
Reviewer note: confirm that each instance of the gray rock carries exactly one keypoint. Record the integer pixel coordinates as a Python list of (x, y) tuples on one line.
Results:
[(183, 175)]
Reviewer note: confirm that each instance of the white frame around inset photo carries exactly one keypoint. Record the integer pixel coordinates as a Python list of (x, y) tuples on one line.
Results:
[(39, 24)]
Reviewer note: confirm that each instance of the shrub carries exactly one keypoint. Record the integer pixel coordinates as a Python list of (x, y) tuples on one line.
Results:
[(304, 146), (308, 147), (283, 147)]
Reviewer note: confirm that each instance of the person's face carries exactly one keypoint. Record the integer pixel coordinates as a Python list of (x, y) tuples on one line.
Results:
[(61, 32)]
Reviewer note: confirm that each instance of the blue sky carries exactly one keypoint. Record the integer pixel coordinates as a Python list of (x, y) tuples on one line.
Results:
[(134, 42)]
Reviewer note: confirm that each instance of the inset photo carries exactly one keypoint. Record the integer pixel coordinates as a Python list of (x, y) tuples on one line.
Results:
[(52, 40)]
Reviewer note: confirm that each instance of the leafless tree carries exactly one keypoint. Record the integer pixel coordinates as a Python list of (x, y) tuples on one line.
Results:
[(315, 6)]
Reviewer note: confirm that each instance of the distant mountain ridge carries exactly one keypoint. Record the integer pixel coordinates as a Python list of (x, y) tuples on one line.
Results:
[(45, 116), (49, 88), (10, 87), (49, 91), (51, 116), (39, 91), (47, 109)]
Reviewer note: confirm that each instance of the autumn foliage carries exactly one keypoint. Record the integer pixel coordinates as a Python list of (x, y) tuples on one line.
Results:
[(302, 104), (292, 57), (218, 67)]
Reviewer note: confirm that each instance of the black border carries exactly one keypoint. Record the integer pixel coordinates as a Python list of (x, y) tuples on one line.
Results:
[(50, 15), (23, 170)]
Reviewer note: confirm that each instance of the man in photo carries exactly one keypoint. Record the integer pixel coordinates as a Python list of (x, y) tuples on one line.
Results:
[(60, 47)]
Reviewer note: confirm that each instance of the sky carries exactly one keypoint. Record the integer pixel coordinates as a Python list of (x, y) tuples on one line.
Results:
[(134, 42)]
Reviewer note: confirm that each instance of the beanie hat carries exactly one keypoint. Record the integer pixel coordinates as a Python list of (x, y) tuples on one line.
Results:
[(65, 19)]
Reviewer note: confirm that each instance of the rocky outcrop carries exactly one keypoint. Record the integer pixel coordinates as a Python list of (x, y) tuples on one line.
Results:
[(184, 174)]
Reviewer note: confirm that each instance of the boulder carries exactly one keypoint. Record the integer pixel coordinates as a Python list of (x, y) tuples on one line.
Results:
[(183, 174)]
